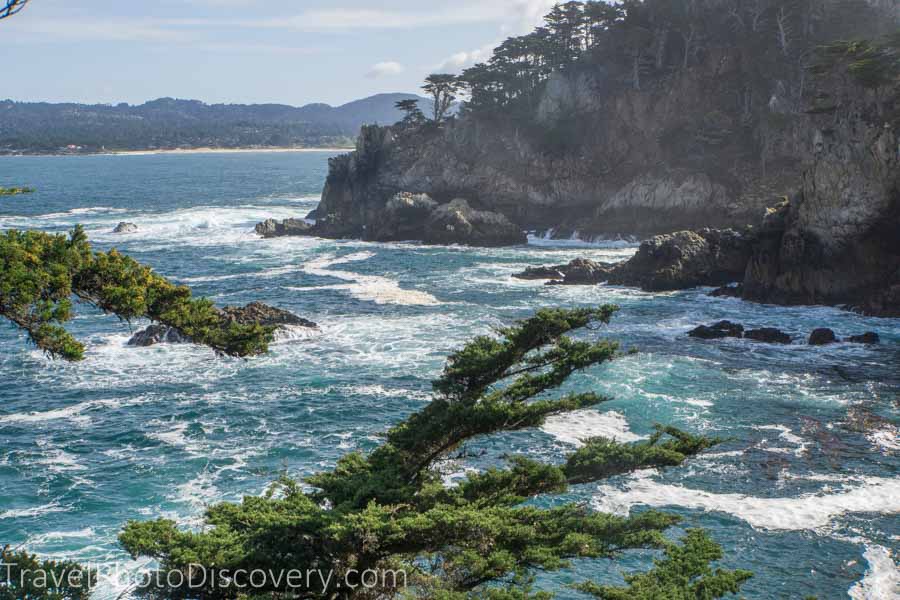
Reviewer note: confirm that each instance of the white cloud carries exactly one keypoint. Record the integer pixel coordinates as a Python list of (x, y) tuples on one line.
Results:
[(519, 17), (385, 69), (461, 60)]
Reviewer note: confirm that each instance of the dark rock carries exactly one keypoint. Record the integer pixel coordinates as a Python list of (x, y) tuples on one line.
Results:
[(583, 271), (271, 228), (822, 337), (770, 335), (719, 330), (263, 314), (125, 227), (870, 337), (728, 291), (532, 273), (313, 214), (158, 334)]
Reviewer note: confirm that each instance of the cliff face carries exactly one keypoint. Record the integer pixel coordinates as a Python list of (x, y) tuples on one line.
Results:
[(712, 141), (599, 162), (838, 240)]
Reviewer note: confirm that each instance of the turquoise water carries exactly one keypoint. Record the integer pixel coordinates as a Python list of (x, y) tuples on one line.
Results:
[(795, 494)]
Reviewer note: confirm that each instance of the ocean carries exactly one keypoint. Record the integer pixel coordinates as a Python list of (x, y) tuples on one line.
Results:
[(798, 493)]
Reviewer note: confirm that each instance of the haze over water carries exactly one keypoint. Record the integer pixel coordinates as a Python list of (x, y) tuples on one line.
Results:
[(795, 494)]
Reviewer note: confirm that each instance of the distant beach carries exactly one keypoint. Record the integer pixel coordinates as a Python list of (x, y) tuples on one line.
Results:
[(189, 151), (221, 150)]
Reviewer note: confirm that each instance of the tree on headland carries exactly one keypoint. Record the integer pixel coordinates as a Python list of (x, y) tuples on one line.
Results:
[(412, 114), (443, 89), (389, 511), (41, 273)]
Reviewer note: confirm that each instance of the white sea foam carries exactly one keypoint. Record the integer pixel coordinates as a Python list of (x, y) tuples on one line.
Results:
[(577, 241), (882, 579), (575, 427), (380, 290), (72, 413), (34, 511), (784, 434), (886, 438), (874, 494), (55, 536)]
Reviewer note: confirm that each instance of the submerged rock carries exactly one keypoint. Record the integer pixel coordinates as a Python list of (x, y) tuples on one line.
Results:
[(869, 337), (769, 335), (271, 228), (719, 330), (125, 227), (822, 337), (728, 291)]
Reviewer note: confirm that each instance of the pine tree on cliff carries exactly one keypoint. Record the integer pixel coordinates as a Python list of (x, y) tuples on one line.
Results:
[(443, 89), (412, 114), (389, 511), (40, 274)]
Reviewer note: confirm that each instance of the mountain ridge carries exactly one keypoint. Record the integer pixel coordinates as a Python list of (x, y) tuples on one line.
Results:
[(166, 122)]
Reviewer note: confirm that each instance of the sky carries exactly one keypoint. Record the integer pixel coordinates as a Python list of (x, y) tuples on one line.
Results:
[(247, 51)]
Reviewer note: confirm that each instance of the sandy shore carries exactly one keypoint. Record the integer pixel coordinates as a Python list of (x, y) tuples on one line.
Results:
[(217, 151), (189, 151)]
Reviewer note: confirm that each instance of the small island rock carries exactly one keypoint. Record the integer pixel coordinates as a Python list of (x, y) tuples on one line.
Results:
[(822, 337), (869, 337), (125, 227)]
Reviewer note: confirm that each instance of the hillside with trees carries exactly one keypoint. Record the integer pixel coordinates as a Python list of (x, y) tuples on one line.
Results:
[(635, 118), (166, 123), (645, 118)]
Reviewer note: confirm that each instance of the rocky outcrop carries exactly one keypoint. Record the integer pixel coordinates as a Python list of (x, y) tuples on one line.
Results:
[(869, 337), (769, 335), (125, 227), (255, 312), (538, 273), (263, 314), (837, 241), (687, 259), (458, 223), (668, 262), (722, 329), (157, 334), (271, 228), (822, 337)]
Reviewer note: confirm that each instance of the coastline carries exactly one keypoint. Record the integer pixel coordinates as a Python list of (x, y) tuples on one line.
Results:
[(189, 151)]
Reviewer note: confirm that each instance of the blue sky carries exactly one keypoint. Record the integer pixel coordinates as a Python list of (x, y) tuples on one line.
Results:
[(286, 51)]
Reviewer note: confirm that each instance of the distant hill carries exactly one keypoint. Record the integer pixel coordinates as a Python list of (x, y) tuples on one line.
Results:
[(40, 127)]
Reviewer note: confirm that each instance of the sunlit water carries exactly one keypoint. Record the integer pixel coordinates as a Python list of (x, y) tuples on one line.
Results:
[(794, 494)]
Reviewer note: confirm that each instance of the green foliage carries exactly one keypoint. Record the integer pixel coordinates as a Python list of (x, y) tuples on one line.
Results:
[(873, 64), (23, 575), (684, 574), (40, 273), (443, 89), (15, 191), (389, 509)]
